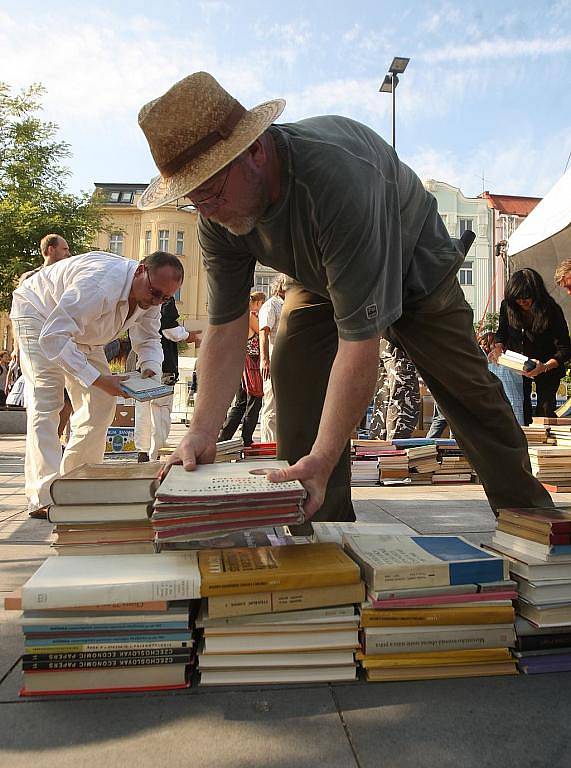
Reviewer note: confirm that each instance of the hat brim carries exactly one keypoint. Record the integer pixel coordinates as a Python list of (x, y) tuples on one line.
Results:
[(164, 190)]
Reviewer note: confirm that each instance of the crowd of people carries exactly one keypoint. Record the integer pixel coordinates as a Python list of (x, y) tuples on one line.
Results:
[(367, 296)]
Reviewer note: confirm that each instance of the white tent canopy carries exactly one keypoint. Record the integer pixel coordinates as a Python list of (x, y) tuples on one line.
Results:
[(544, 239)]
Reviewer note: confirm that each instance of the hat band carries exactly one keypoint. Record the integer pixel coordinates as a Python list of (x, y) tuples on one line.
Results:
[(223, 131)]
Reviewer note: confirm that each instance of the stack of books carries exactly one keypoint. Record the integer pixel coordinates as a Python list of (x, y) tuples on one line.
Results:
[(560, 434), (365, 455), (437, 607), (216, 499), (104, 509), (144, 389), (537, 543), (393, 466), (551, 465), (454, 468), (278, 615), (537, 434), (260, 451), (229, 450), (422, 462), (109, 624)]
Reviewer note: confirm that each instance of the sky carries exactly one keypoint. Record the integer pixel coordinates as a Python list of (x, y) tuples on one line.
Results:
[(486, 92)]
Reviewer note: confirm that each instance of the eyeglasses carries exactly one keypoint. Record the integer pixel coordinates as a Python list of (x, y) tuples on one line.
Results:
[(215, 200), (155, 293)]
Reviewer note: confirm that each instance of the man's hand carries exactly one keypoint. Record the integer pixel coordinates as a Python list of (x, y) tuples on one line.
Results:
[(539, 369), (194, 448), (496, 351), (111, 385), (194, 337), (148, 373), (313, 472)]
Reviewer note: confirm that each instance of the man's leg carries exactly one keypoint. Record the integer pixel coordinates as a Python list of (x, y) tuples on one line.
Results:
[(161, 424), (234, 416), (438, 423), (93, 413), (438, 336), (268, 417), (253, 405), (378, 428), (302, 357), (44, 401), (404, 394)]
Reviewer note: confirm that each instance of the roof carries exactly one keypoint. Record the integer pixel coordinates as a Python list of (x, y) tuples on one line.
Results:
[(511, 205)]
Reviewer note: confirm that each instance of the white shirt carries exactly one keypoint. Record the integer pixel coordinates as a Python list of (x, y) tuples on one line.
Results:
[(84, 302), (269, 317)]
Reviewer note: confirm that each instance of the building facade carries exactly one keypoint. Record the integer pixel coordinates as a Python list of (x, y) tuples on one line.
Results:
[(459, 214)]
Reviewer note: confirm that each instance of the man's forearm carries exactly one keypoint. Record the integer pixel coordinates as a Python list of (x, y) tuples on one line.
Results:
[(220, 364), (350, 388)]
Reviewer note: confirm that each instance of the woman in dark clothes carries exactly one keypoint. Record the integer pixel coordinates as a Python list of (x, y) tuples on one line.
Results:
[(532, 323)]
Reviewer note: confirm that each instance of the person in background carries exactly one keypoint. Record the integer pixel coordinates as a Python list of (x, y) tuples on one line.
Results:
[(248, 400), (4, 368), (563, 276), (153, 418), (63, 316), (533, 324), (396, 405), (269, 320)]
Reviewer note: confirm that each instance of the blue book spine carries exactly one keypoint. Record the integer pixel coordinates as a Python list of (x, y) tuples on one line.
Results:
[(476, 572)]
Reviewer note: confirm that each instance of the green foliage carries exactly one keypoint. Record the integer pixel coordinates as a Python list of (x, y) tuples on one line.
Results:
[(33, 197), (490, 322)]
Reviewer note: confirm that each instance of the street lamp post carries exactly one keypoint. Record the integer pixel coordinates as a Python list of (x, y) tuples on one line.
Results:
[(389, 85)]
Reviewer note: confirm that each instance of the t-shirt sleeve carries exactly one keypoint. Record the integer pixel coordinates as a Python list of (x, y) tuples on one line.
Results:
[(359, 236), (229, 273)]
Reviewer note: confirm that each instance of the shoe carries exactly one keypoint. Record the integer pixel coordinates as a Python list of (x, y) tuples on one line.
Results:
[(142, 457), (39, 513)]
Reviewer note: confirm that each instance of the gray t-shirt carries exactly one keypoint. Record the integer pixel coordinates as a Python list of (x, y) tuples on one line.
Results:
[(352, 223)]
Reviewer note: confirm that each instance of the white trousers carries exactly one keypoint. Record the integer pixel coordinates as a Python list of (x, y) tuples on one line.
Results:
[(268, 415), (45, 382), (152, 425)]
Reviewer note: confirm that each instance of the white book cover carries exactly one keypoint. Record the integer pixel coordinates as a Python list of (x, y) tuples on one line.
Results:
[(145, 388), (66, 582), (227, 480), (333, 532)]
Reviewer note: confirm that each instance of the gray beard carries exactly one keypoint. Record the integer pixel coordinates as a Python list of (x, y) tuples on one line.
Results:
[(242, 227)]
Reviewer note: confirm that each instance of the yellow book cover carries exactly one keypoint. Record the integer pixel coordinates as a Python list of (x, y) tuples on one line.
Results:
[(411, 617), (438, 658), (258, 569), (440, 673)]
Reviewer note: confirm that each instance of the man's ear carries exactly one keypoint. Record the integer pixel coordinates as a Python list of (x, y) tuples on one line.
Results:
[(140, 269), (257, 152)]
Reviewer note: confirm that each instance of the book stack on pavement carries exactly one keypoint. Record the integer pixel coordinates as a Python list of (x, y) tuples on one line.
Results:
[(215, 499), (393, 466), (422, 462), (453, 468), (551, 465), (437, 607), (538, 434), (560, 434), (260, 451), (365, 455), (109, 624), (104, 509), (279, 614), (537, 543)]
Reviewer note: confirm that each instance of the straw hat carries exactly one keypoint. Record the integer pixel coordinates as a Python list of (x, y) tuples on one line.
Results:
[(194, 130)]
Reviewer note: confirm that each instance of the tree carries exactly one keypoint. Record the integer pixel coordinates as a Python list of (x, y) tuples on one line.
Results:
[(33, 197)]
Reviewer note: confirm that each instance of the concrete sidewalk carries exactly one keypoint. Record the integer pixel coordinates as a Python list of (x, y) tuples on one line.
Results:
[(519, 721)]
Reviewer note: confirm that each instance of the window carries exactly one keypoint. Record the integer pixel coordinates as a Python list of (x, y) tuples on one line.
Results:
[(163, 239), (466, 274), (126, 197), (262, 283), (180, 243), (116, 243), (466, 224), (114, 197), (148, 236)]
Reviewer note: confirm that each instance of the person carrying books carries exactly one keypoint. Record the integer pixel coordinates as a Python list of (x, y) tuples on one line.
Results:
[(63, 316), (326, 201), (533, 324)]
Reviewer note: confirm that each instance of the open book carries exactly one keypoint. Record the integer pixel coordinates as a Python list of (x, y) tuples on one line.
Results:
[(145, 389)]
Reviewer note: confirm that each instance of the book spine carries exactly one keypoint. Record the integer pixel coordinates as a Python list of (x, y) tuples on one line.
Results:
[(246, 582), (129, 661), (68, 597), (91, 647), (441, 617), (111, 638), (543, 642), (451, 641), (118, 628)]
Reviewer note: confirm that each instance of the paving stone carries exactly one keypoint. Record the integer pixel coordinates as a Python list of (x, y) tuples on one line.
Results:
[(472, 723), (244, 729)]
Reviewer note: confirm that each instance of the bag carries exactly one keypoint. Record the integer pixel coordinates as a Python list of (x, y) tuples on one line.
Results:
[(252, 377), (16, 394)]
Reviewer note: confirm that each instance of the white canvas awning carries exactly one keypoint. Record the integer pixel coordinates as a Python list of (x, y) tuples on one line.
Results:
[(544, 239)]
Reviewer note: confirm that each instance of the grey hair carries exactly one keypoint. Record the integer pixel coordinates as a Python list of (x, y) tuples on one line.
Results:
[(279, 284)]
